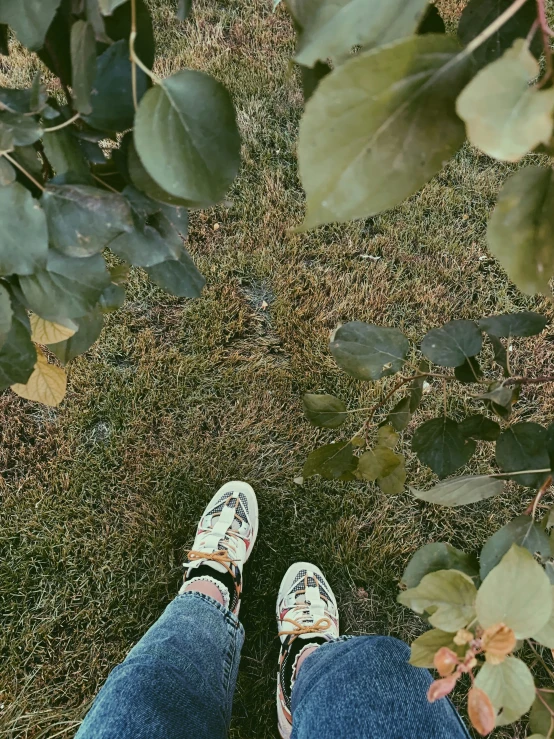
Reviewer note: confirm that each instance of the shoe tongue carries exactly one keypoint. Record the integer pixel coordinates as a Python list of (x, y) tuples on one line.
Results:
[(207, 563)]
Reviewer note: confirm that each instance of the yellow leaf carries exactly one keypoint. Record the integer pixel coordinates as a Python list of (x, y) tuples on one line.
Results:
[(46, 385), (47, 332)]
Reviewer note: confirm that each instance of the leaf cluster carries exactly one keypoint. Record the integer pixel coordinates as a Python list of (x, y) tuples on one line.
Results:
[(112, 162)]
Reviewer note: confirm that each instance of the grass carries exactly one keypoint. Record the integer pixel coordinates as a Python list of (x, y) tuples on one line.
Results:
[(99, 499)]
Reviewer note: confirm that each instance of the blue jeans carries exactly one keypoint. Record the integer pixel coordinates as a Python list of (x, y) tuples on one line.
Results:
[(178, 683)]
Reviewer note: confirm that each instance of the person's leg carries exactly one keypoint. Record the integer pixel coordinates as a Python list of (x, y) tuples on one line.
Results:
[(178, 681), (347, 688), (364, 687)]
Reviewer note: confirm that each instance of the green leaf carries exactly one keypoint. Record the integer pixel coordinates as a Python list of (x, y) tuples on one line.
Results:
[(424, 648), (448, 593), (82, 220), (387, 436), (324, 410), (438, 556), (479, 427), (6, 314), (179, 277), (353, 152), (516, 592), (461, 490), (519, 233), (369, 352), (400, 415), (416, 387), (440, 444), (522, 531), (505, 116), (7, 172), (468, 372), (549, 443), (69, 287), (498, 394), (108, 6), (191, 151), (23, 129), (153, 240), (378, 462), (94, 17), (89, 329), (330, 29), (29, 19), (393, 483), (510, 687), (23, 224), (545, 635), (112, 95), (431, 21), (183, 9), (330, 461), (479, 14), (525, 323), (540, 719), (112, 298), (17, 354), (452, 344), (500, 354), (83, 64), (523, 447), (65, 155), (143, 182)]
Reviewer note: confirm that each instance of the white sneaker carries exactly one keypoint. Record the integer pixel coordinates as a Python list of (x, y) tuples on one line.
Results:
[(224, 539), (306, 609)]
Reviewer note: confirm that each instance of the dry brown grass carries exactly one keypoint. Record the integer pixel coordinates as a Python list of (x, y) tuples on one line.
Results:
[(100, 498)]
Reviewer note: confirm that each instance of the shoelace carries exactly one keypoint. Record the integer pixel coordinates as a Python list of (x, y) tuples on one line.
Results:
[(322, 624)]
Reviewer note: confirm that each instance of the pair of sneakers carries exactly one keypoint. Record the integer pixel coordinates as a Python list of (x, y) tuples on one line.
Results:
[(307, 613)]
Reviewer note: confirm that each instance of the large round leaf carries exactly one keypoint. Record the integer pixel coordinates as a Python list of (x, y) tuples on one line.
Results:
[(517, 593), (324, 410), (523, 447), (29, 19), (331, 29), (440, 444), (89, 328), (112, 92), (69, 287), (505, 116), (480, 427), (187, 138), (424, 648), (510, 687), (23, 236), (452, 344), (331, 461), (519, 233), (379, 127), (438, 556), (152, 241), (179, 277), (142, 180), (525, 323), (369, 352), (83, 64), (522, 531), (82, 220)]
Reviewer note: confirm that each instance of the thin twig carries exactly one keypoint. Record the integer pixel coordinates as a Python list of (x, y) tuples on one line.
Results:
[(545, 30), (541, 660), (532, 507), (486, 33), (528, 380), (22, 169), (131, 51), (109, 187), (64, 124)]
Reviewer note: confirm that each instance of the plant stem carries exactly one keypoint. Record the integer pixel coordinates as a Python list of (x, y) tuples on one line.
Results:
[(539, 657), (22, 169), (64, 124), (528, 380), (109, 187), (532, 507), (135, 61), (545, 30)]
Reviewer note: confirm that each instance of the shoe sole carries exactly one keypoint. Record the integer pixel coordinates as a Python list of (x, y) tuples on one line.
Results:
[(238, 486)]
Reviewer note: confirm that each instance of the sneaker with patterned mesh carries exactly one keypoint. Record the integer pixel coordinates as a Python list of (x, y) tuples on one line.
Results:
[(224, 539), (307, 616)]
